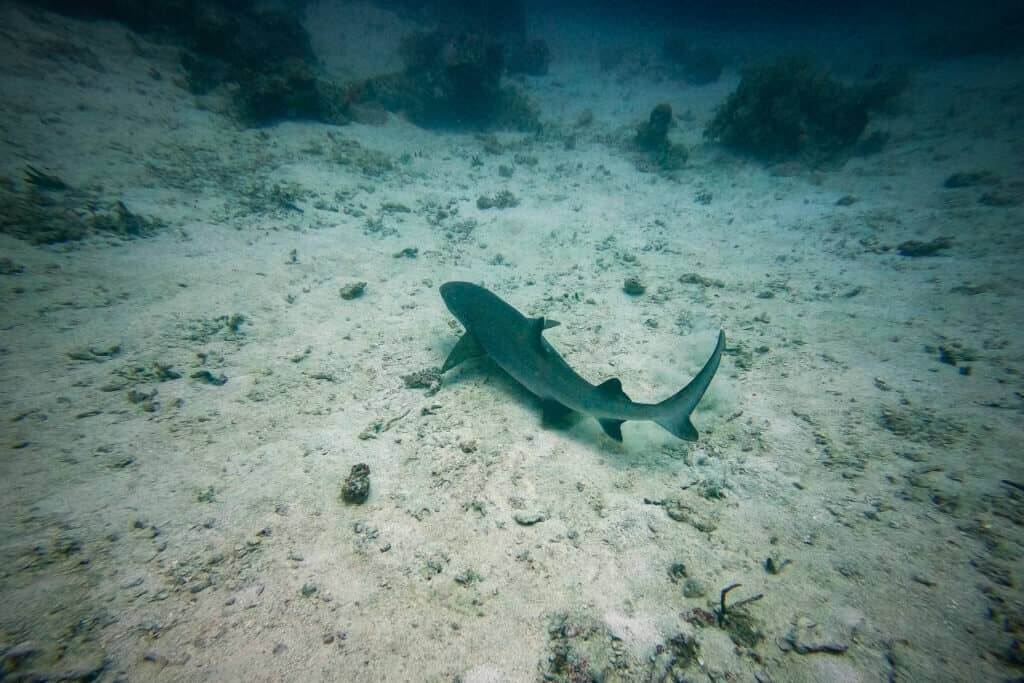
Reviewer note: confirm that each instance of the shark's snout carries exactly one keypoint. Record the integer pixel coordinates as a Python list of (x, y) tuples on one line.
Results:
[(455, 295)]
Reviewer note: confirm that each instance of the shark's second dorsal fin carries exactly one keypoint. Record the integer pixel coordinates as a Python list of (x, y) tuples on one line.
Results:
[(467, 347), (612, 389)]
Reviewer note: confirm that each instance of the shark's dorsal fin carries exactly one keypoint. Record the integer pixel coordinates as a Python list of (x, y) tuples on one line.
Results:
[(612, 389), (612, 428), (537, 327), (467, 347)]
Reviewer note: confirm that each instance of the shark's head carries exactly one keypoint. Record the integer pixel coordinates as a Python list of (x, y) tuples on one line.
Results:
[(461, 298)]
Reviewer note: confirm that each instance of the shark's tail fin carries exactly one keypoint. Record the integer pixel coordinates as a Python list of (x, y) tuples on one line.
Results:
[(675, 410)]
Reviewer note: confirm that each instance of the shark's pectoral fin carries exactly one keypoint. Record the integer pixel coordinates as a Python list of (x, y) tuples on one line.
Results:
[(467, 347), (612, 389), (554, 412), (549, 323), (612, 428)]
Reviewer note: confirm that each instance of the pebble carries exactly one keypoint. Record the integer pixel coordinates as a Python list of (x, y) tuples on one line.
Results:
[(528, 518), (694, 588)]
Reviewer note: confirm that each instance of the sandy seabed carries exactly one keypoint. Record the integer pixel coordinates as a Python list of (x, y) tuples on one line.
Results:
[(861, 440)]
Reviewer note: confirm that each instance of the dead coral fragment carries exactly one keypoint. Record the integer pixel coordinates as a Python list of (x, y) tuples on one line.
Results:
[(429, 379), (353, 290), (48, 214)]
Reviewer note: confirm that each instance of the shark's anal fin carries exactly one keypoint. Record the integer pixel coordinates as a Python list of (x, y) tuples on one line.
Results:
[(554, 412), (612, 428), (467, 347)]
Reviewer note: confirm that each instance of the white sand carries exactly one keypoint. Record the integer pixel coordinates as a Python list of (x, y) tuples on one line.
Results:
[(897, 541)]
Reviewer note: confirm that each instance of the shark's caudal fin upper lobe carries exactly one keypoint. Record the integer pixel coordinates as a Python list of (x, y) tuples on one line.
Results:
[(677, 408)]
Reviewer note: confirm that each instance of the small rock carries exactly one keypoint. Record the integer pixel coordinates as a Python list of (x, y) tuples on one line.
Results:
[(633, 287), (353, 290), (694, 588), (677, 571)]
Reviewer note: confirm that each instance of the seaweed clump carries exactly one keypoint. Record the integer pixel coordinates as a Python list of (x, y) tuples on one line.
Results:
[(452, 81), (793, 109)]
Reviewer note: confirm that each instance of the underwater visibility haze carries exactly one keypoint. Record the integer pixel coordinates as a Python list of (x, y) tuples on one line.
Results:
[(480, 341)]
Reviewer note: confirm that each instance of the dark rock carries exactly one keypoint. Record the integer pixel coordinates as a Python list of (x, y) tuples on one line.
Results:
[(207, 377), (971, 179), (916, 249), (356, 488), (652, 140)]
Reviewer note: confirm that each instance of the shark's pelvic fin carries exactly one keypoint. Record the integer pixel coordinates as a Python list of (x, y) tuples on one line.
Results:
[(554, 412), (467, 347), (612, 428)]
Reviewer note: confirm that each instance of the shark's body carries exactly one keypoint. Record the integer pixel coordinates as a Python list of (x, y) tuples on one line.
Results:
[(517, 345)]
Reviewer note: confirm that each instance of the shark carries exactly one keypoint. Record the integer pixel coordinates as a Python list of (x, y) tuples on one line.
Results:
[(516, 344)]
